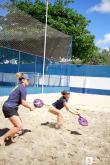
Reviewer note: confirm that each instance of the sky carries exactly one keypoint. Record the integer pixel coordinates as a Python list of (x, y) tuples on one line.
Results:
[(98, 11)]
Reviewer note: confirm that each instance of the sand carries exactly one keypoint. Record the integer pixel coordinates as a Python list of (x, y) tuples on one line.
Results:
[(45, 145)]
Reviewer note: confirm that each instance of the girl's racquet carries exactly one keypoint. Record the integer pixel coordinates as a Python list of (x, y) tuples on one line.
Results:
[(82, 121)]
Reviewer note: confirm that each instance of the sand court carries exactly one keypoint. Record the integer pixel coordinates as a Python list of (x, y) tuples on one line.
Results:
[(73, 144)]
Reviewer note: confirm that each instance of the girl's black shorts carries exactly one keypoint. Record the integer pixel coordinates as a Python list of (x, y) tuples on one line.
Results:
[(9, 112)]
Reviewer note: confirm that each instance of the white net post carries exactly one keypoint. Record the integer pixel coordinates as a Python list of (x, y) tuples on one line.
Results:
[(19, 61), (45, 42)]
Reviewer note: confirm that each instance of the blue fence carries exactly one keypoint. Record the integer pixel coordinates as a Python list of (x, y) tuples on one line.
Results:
[(77, 78)]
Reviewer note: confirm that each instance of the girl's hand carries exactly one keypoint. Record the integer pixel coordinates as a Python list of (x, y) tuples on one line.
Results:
[(77, 113)]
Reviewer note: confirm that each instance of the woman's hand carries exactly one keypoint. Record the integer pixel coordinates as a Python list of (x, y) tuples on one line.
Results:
[(31, 109), (25, 104)]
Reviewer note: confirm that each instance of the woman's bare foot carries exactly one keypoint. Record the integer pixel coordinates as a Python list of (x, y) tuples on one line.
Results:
[(12, 140), (20, 132), (1, 141)]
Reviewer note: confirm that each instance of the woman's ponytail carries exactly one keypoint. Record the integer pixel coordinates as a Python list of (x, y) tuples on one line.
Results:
[(19, 76)]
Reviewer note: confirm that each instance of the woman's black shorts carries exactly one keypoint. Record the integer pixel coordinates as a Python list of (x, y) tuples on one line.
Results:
[(9, 112)]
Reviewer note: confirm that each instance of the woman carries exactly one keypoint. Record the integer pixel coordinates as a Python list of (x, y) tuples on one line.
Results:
[(10, 107)]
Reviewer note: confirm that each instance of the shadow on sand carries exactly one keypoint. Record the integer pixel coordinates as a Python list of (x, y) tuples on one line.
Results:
[(52, 125), (49, 124), (10, 141), (74, 132)]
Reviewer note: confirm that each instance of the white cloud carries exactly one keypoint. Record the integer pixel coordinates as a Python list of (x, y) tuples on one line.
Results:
[(102, 7), (104, 41)]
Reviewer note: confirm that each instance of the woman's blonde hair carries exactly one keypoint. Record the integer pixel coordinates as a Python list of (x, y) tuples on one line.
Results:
[(19, 76)]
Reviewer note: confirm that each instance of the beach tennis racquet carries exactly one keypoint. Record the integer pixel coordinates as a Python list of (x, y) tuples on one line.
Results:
[(82, 121)]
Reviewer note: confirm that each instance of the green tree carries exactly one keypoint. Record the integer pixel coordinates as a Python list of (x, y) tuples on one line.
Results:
[(106, 55), (98, 58), (14, 2), (64, 2)]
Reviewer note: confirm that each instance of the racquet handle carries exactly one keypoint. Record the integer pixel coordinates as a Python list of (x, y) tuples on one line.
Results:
[(73, 113)]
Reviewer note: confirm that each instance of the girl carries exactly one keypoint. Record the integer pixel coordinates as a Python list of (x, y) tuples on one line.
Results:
[(10, 107), (58, 105)]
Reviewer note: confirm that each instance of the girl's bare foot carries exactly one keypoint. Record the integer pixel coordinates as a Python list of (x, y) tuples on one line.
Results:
[(57, 126)]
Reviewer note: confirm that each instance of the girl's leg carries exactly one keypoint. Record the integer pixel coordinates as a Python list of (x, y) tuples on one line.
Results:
[(59, 117), (15, 120), (59, 121)]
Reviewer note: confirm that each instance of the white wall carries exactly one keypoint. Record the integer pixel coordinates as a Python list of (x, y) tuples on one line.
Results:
[(90, 82)]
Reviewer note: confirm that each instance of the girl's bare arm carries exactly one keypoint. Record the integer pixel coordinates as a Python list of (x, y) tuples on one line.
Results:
[(68, 109)]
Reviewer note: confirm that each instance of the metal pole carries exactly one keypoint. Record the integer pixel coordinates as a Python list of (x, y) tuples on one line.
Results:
[(35, 71), (45, 42), (19, 61)]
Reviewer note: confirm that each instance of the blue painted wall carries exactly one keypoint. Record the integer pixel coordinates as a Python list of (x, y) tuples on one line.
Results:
[(60, 69), (87, 71), (79, 70), (5, 91)]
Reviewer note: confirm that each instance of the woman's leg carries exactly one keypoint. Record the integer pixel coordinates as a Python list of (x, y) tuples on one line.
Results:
[(15, 120), (59, 117)]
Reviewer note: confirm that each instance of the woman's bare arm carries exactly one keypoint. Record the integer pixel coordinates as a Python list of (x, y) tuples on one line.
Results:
[(25, 104)]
